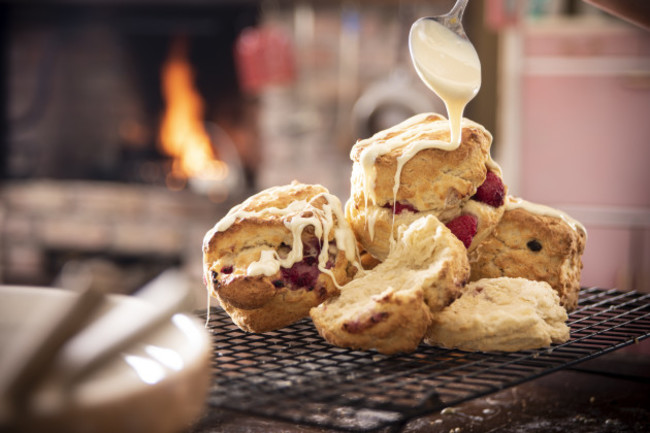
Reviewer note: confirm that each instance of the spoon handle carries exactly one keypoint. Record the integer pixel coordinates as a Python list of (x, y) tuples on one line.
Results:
[(458, 9), (453, 19)]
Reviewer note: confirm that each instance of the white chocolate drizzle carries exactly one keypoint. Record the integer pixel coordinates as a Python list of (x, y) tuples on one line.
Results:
[(297, 216), (539, 209), (447, 64), (494, 167), (268, 264), (410, 136)]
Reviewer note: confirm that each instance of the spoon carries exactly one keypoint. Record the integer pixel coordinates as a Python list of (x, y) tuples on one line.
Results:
[(447, 62), (453, 19)]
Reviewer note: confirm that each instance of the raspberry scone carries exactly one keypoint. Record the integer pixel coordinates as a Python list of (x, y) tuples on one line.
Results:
[(501, 314), (389, 308), (278, 254), (535, 242), (411, 170)]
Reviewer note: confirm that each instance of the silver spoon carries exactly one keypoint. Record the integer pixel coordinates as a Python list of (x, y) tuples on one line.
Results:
[(446, 61), (453, 19)]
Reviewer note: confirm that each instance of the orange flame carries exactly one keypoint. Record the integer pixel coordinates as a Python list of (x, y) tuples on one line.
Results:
[(182, 132)]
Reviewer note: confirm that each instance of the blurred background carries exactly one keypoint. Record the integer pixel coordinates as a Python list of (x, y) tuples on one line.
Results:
[(128, 128)]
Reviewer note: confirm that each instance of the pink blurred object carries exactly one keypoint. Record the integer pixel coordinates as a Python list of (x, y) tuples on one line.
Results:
[(264, 57), (500, 14), (634, 11), (585, 105)]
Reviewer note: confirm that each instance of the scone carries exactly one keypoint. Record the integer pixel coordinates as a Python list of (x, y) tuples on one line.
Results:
[(534, 242), (409, 171), (278, 254), (389, 308), (501, 314)]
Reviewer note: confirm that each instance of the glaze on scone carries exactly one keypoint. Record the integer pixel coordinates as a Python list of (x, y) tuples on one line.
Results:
[(277, 254), (501, 314), (534, 242), (389, 308), (409, 171)]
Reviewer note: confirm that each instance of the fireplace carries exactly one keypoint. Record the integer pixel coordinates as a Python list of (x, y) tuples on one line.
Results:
[(85, 83), (97, 142), (86, 175)]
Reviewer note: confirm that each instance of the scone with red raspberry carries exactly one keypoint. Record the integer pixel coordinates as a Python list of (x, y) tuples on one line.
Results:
[(278, 254), (411, 170)]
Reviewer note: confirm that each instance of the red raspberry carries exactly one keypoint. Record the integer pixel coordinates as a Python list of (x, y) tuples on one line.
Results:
[(464, 227), (302, 274), (492, 192)]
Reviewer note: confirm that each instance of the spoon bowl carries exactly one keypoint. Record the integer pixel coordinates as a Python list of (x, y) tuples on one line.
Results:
[(447, 62)]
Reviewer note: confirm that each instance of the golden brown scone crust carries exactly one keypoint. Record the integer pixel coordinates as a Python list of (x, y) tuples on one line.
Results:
[(261, 303), (433, 181), (389, 308), (501, 314), (511, 251)]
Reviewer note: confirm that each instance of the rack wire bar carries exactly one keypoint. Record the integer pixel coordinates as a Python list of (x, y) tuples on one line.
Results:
[(293, 375)]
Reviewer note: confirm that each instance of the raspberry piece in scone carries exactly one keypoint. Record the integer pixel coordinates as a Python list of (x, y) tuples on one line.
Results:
[(492, 191), (464, 227)]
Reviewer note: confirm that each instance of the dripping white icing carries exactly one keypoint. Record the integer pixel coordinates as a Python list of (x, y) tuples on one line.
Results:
[(539, 209), (494, 167), (410, 136), (268, 264), (207, 314), (449, 65), (297, 216)]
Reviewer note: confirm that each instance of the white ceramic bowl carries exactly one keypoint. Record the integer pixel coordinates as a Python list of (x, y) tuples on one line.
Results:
[(156, 385)]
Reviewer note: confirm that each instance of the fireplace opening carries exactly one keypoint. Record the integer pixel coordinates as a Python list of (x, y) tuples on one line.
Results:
[(102, 160), (87, 94)]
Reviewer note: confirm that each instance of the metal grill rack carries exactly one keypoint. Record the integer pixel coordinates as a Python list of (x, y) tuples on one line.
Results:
[(294, 375)]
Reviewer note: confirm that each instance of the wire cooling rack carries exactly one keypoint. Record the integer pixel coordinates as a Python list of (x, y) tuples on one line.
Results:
[(294, 375)]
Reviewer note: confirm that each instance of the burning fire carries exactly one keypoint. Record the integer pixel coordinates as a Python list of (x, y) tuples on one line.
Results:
[(182, 133)]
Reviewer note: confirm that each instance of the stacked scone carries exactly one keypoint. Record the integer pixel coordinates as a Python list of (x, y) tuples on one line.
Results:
[(409, 171), (429, 217), (278, 254)]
